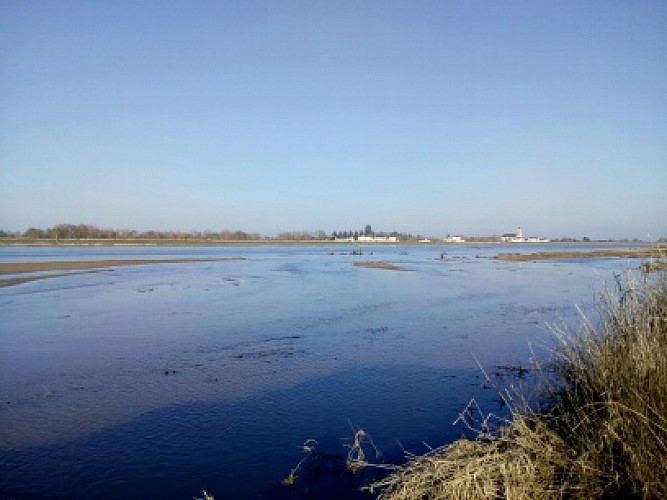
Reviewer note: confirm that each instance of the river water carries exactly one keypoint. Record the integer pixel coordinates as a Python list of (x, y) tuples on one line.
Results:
[(160, 381)]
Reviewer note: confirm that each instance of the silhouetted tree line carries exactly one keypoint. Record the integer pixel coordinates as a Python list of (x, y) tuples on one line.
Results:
[(92, 232), (87, 231), (302, 235)]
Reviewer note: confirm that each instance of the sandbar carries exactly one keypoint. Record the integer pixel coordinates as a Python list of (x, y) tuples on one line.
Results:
[(635, 253), (379, 265), (84, 266)]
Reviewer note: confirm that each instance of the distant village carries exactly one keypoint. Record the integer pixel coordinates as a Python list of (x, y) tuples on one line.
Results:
[(368, 236), (519, 238)]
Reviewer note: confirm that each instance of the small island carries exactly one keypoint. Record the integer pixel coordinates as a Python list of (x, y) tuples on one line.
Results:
[(633, 253), (379, 265)]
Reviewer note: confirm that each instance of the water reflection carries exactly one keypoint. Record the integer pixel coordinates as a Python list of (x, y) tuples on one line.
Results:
[(243, 449), (163, 380)]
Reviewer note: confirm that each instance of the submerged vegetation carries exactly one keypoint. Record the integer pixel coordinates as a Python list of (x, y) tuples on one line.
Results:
[(601, 431)]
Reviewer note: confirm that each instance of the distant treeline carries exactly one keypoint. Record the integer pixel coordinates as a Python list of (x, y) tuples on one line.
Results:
[(87, 231), (91, 232)]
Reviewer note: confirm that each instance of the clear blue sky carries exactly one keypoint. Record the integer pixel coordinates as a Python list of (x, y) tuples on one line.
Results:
[(432, 117)]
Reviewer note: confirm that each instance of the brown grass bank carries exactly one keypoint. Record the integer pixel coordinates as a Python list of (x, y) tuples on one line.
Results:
[(633, 253), (602, 432)]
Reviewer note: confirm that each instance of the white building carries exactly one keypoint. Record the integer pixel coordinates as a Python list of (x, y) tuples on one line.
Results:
[(377, 239), (370, 239), (513, 237), (455, 239), (519, 238)]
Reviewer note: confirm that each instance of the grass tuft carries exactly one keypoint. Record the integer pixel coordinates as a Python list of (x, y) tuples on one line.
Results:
[(602, 431)]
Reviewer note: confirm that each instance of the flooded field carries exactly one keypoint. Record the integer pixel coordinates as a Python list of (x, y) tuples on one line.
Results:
[(161, 380)]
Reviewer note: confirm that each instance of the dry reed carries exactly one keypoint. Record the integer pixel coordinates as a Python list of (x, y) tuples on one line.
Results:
[(602, 434)]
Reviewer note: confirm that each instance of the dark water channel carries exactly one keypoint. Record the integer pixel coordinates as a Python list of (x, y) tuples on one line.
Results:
[(160, 381)]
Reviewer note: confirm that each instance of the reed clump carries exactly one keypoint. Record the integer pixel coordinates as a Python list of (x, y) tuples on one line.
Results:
[(601, 431)]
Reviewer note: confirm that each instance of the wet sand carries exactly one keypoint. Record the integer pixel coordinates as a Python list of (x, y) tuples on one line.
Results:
[(379, 265), (83, 266), (637, 253), (26, 279)]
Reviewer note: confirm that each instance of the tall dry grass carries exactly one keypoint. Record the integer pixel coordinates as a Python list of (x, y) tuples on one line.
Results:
[(602, 432)]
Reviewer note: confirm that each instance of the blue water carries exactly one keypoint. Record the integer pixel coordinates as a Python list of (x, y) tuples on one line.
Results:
[(159, 381)]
